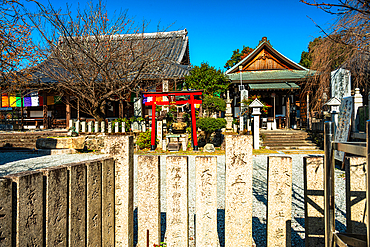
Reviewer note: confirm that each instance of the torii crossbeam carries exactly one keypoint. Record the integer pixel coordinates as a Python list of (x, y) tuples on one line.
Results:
[(156, 98)]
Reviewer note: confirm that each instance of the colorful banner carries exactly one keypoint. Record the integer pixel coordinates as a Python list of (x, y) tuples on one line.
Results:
[(18, 100), (4, 100), (12, 100), (34, 99), (27, 101)]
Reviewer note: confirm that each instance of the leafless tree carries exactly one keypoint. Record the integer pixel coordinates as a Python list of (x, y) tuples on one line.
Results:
[(99, 59), (346, 44)]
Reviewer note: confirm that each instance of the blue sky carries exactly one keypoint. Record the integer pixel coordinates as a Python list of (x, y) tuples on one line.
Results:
[(216, 28)]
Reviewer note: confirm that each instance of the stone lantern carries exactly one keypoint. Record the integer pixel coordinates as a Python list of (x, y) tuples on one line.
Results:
[(334, 104), (256, 106)]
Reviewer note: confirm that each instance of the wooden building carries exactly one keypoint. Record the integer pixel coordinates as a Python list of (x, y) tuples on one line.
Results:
[(277, 79), (51, 110)]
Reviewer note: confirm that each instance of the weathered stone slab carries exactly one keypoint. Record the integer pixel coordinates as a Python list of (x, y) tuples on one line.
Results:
[(89, 126), (29, 216), (77, 204), (61, 143), (149, 214), (109, 127), (96, 129), (6, 213), (356, 194), (83, 126), (56, 200), (108, 202), (94, 204), (122, 150), (313, 173), (238, 200), (160, 133), (206, 201), (279, 197), (177, 201)]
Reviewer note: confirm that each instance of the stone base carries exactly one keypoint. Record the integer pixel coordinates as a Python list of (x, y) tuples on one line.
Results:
[(61, 143)]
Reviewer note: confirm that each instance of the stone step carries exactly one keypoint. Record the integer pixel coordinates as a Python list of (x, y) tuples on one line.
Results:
[(286, 141), (288, 144), (294, 148)]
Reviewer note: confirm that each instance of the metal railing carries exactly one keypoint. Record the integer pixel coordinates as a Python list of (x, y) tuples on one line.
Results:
[(358, 148)]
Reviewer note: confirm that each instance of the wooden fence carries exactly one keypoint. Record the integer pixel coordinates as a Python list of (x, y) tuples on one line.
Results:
[(92, 203)]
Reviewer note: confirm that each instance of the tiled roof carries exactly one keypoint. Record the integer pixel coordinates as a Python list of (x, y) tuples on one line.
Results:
[(273, 86), (271, 75)]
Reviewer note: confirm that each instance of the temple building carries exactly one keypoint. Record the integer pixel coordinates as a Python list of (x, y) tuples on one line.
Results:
[(277, 80)]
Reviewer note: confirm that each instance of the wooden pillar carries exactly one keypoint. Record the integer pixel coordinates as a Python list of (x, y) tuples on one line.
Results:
[(45, 111), (68, 111), (120, 109), (287, 125)]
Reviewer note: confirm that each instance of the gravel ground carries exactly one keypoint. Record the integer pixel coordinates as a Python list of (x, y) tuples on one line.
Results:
[(12, 162)]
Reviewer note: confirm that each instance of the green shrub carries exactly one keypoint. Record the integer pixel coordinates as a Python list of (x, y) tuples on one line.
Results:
[(144, 140), (210, 125), (213, 104)]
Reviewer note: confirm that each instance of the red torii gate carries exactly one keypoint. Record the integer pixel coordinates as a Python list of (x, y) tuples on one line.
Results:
[(156, 98)]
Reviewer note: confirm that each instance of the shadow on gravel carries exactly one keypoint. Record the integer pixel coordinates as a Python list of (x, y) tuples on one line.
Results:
[(297, 240), (163, 225), (221, 226), (135, 227), (11, 155), (259, 232)]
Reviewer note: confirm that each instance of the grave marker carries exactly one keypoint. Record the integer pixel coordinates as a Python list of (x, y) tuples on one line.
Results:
[(177, 201), (108, 202), (279, 200), (238, 201), (6, 212)]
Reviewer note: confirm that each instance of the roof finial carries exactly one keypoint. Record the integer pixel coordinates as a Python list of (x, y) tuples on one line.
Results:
[(264, 40)]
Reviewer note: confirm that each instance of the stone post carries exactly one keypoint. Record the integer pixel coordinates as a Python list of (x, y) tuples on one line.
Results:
[(123, 127), (83, 126), (109, 127), (160, 133), (94, 203), (77, 126), (137, 107), (89, 126), (149, 211), (256, 105), (102, 128), (206, 201), (177, 201), (356, 194), (108, 193), (357, 102), (279, 200), (143, 126), (56, 202), (238, 200), (165, 98), (116, 127), (122, 150), (96, 126), (6, 212), (77, 204), (313, 174), (71, 123), (229, 114), (29, 209)]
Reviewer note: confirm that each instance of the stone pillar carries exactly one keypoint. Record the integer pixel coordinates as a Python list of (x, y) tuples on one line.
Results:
[(109, 127), (77, 204), (89, 126), (143, 126), (313, 174), (160, 133), (137, 107), (116, 127), (29, 209), (108, 202), (56, 200), (102, 128), (229, 114), (356, 194), (256, 131), (279, 200), (177, 201), (357, 102), (165, 98), (71, 123), (238, 200), (6, 212), (77, 126), (94, 204), (122, 150), (164, 144), (206, 201), (83, 126), (123, 127), (96, 126), (45, 121), (149, 212)]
